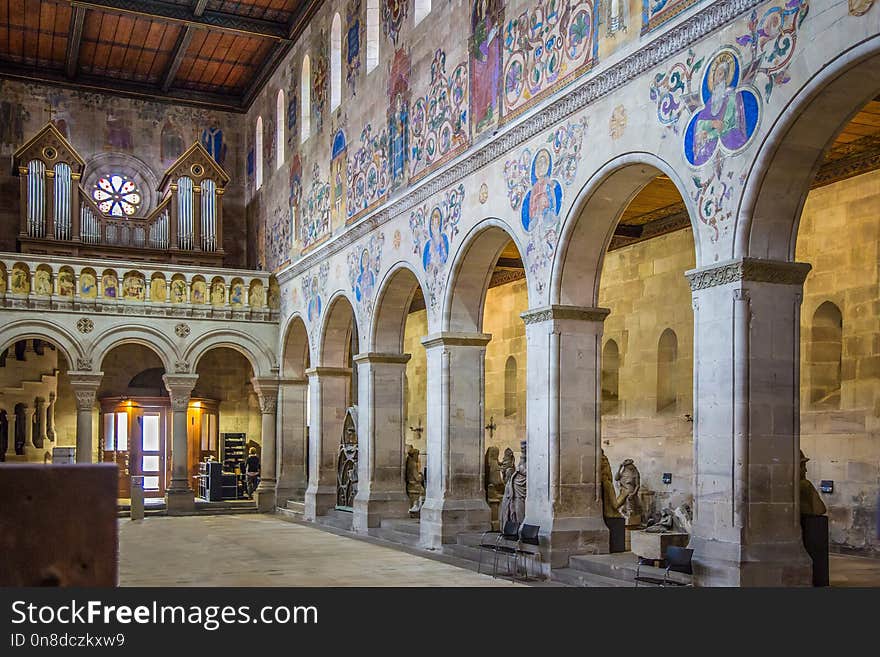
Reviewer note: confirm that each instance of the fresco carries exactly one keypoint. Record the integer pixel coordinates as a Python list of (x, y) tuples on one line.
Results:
[(313, 292), (535, 184), (171, 143), (276, 240), (212, 139), (315, 213), (657, 12), (367, 173), (546, 47), (320, 78), (88, 285), (292, 108), (295, 194), (363, 273), (338, 180), (353, 44), (117, 134), (487, 19), (439, 122), (393, 14), (398, 119), (433, 231)]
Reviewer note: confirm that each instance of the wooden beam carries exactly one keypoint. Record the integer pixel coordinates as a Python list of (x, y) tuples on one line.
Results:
[(177, 55), (74, 39), (170, 12)]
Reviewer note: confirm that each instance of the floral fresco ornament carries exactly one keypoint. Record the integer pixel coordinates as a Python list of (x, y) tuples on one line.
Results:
[(363, 273), (672, 92), (314, 286), (433, 231), (711, 195)]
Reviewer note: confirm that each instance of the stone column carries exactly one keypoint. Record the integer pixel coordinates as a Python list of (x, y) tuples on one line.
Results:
[(747, 424), (328, 388), (455, 497), (381, 433), (179, 498), (85, 387), (292, 469), (563, 428), (50, 417), (267, 392), (11, 419), (40, 422)]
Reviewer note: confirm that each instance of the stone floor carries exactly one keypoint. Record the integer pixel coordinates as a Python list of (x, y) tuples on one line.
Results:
[(255, 550), (846, 570)]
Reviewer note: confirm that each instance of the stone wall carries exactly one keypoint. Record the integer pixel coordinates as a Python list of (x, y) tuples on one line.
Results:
[(108, 130), (225, 375)]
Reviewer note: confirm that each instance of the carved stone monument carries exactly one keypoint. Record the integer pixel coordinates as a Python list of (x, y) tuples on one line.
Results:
[(507, 464), (494, 483), (415, 487), (347, 462), (627, 500), (513, 504), (814, 526), (613, 520)]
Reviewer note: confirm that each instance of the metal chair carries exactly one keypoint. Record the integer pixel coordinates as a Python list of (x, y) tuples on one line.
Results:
[(678, 560), (528, 546), (509, 533)]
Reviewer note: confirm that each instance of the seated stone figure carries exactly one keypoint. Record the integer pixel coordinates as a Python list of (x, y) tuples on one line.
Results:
[(664, 524)]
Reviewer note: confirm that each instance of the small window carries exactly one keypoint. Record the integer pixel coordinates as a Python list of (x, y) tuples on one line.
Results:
[(279, 129), (826, 355), (372, 34), (510, 387), (117, 195), (305, 85), (667, 371), (258, 153), (610, 378), (336, 63), (421, 8)]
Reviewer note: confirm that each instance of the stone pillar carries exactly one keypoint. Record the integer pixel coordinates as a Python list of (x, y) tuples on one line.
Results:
[(50, 417), (381, 433), (85, 387), (39, 436), (455, 497), (11, 419), (563, 429), (267, 392), (179, 498), (328, 388), (292, 469), (747, 424)]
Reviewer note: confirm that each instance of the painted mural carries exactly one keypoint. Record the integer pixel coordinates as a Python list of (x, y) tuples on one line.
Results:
[(117, 133), (657, 12), (315, 213), (314, 291), (268, 147), (276, 240), (363, 273), (615, 17), (292, 109), (439, 122), (367, 173), (320, 78), (393, 14), (398, 119), (212, 139), (171, 142), (433, 231), (88, 285), (295, 193), (353, 44), (487, 19), (338, 180), (535, 184), (545, 48), (12, 119)]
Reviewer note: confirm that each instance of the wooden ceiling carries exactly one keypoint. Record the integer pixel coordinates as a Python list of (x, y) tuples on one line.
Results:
[(207, 52)]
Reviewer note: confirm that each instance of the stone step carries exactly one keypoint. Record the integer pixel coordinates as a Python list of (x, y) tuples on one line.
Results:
[(295, 506), (337, 519), (394, 536), (402, 525), (574, 577), (620, 566), (288, 514)]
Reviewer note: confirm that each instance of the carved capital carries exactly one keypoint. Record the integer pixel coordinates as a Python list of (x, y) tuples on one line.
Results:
[(180, 387), (267, 393), (384, 358), (449, 339), (748, 270), (559, 312), (85, 387)]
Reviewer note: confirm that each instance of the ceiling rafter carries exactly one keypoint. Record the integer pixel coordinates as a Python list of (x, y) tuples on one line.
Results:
[(180, 48), (174, 13), (74, 41)]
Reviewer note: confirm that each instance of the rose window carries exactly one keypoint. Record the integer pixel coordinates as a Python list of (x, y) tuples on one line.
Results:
[(117, 195)]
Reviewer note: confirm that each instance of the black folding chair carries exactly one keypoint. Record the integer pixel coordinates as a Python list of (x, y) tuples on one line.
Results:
[(528, 547), (509, 533), (678, 560)]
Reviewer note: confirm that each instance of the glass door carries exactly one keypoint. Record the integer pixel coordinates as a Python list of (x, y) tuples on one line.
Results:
[(151, 455)]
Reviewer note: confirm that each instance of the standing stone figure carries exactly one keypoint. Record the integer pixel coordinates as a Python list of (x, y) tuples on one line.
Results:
[(507, 464), (494, 479), (628, 495), (415, 488), (609, 495), (811, 503), (513, 504)]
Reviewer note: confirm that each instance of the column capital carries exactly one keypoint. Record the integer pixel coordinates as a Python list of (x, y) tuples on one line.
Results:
[(373, 357), (180, 387), (558, 312), (450, 339), (85, 388), (754, 270), (267, 392), (318, 372)]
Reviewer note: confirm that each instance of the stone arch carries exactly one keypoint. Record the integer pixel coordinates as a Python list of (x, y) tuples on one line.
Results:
[(791, 152), (592, 219), (295, 348), (335, 335), (26, 329), (471, 273), (132, 334), (259, 356), (396, 292)]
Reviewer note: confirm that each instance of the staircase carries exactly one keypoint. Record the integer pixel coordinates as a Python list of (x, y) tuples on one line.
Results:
[(608, 570), (398, 530)]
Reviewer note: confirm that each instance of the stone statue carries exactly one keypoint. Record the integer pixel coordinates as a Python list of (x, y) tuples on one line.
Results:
[(664, 524), (507, 464), (811, 503), (494, 478), (627, 501), (609, 508), (415, 488), (684, 518), (513, 504)]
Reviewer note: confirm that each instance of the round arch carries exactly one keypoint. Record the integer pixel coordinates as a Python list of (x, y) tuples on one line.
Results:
[(471, 272), (791, 153), (40, 329), (396, 292), (295, 348), (143, 335), (258, 354), (335, 334), (592, 219)]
